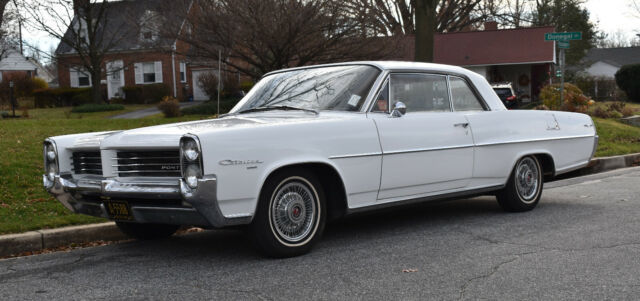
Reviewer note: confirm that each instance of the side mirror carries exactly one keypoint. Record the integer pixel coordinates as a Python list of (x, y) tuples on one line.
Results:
[(399, 109)]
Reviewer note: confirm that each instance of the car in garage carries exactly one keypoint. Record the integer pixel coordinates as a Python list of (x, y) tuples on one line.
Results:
[(308, 145)]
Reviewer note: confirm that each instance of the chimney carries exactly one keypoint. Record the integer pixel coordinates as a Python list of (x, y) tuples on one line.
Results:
[(491, 25)]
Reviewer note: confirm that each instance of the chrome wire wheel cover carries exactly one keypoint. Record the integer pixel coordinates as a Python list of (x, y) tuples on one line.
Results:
[(527, 179), (294, 211)]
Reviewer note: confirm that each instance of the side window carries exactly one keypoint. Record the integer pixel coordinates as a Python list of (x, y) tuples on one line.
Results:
[(420, 92), (381, 103), (462, 96)]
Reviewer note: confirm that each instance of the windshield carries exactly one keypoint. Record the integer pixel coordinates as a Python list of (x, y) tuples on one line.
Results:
[(339, 88)]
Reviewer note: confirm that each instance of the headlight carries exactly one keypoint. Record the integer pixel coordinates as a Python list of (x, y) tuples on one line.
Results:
[(191, 160), (190, 150), (191, 175), (50, 160)]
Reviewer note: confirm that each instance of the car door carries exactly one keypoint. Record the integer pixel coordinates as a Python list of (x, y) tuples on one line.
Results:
[(428, 149)]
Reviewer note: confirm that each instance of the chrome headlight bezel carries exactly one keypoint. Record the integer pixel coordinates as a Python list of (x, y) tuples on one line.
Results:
[(190, 143), (49, 146)]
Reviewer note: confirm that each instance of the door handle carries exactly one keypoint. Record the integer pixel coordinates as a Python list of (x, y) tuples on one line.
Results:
[(462, 124)]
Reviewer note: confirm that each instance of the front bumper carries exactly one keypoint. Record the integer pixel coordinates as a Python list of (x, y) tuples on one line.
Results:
[(150, 202)]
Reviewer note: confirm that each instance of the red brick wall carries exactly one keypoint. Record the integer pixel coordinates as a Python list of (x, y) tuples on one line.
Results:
[(129, 59)]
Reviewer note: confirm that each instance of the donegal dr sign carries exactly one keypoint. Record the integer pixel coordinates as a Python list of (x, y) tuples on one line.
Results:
[(563, 36)]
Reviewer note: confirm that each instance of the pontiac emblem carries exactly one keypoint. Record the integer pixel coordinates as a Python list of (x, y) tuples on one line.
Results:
[(239, 162), (169, 167)]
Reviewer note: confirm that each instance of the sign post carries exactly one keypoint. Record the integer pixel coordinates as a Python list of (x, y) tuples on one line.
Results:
[(563, 39)]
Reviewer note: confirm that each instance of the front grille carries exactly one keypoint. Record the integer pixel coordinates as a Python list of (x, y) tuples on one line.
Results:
[(164, 163), (87, 163)]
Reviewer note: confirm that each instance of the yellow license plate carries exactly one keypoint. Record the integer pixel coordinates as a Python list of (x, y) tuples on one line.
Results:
[(119, 210)]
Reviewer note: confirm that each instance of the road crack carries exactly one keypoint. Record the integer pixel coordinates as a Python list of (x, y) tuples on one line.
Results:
[(494, 269)]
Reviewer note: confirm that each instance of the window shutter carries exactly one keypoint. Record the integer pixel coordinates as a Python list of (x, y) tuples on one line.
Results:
[(73, 73), (183, 72), (158, 69), (138, 70)]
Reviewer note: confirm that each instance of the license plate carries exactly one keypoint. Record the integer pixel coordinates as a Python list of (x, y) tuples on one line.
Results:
[(119, 210)]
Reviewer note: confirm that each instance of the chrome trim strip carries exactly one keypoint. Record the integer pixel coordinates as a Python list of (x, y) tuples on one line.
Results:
[(535, 140), (419, 150), (435, 197), (355, 155)]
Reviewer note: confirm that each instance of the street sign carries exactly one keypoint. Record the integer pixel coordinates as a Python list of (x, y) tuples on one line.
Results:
[(558, 73), (563, 36), (563, 44)]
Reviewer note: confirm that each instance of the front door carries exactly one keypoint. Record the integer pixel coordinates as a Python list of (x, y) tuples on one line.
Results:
[(428, 149), (115, 79)]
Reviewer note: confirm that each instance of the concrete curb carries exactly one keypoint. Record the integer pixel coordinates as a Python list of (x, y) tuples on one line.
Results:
[(50, 238)]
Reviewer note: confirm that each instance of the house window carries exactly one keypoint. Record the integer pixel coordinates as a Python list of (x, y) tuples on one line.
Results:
[(83, 80), (147, 35), (183, 74), (149, 73)]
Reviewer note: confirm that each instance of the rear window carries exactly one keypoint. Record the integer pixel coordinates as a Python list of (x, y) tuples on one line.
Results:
[(503, 93)]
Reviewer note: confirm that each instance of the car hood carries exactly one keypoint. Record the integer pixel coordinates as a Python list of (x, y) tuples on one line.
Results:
[(168, 135)]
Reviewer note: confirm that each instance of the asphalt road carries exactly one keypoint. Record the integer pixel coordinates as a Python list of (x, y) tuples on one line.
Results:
[(581, 242)]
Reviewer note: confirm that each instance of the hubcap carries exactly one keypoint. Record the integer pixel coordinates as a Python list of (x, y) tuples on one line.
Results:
[(293, 211), (527, 179)]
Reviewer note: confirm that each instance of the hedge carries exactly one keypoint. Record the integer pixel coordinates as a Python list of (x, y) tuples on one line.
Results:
[(61, 97), (145, 93), (627, 78), (94, 107)]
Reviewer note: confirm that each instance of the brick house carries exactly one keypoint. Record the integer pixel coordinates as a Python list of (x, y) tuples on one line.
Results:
[(140, 57), (520, 56)]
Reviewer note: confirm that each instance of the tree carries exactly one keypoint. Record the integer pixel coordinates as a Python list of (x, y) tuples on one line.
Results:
[(394, 17), (258, 36), (85, 26), (425, 26), (567, 15)]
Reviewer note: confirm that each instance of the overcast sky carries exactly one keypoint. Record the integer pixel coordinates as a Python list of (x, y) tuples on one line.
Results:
[(610, 16)]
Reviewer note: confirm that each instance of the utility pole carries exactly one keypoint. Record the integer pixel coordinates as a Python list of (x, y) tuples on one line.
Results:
[(561, 77), (219, 54)]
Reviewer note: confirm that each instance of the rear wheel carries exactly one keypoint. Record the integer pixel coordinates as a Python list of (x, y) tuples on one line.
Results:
[(290, 216), (147, 231), (524, 188)]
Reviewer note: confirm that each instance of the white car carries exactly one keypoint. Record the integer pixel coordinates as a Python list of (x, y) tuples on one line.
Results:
[(311, 144)]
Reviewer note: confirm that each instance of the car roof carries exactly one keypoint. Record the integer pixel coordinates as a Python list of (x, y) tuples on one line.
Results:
[(390, 66)]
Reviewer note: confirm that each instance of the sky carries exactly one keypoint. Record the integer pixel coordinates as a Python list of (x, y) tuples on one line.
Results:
[(610, 16)]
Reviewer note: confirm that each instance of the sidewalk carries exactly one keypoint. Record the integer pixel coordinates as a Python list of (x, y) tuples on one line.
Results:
[(151, 111)]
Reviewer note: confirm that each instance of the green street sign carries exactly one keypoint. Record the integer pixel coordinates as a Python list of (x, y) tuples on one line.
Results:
[(558, 73), (563, 44), (563, 36)]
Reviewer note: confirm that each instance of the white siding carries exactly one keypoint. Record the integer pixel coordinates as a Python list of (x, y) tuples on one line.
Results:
[(602, 69), (158, 69), (14, 61)]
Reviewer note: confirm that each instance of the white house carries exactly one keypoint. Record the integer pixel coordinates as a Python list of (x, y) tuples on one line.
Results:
[(605, 62), (14, 63)]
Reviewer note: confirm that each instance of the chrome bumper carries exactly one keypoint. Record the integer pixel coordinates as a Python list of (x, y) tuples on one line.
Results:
[(201, 208)]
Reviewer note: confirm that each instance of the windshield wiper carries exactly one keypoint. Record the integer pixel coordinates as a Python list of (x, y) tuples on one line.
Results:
[(269, 108)]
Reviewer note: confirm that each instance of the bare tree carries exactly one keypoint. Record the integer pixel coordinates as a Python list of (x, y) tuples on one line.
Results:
[(425, 24), (258, 36), (393, 17), (82, 26)]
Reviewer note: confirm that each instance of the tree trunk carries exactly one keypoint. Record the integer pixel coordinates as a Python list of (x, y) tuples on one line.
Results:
[(425, 26), (96, 91)]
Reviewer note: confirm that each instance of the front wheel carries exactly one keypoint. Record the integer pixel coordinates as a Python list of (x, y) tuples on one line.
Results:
[(290, 216), (524, 188)]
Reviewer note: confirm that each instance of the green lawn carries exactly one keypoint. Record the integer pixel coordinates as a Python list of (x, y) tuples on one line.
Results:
[(24, 205), (616, 138)]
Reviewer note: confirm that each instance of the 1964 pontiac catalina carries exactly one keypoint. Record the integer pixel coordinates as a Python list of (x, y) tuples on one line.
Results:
[(311, 144)]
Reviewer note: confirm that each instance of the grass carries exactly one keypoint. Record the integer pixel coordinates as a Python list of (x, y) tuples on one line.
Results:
[(65, 113), (24, 204), (616, 138)]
